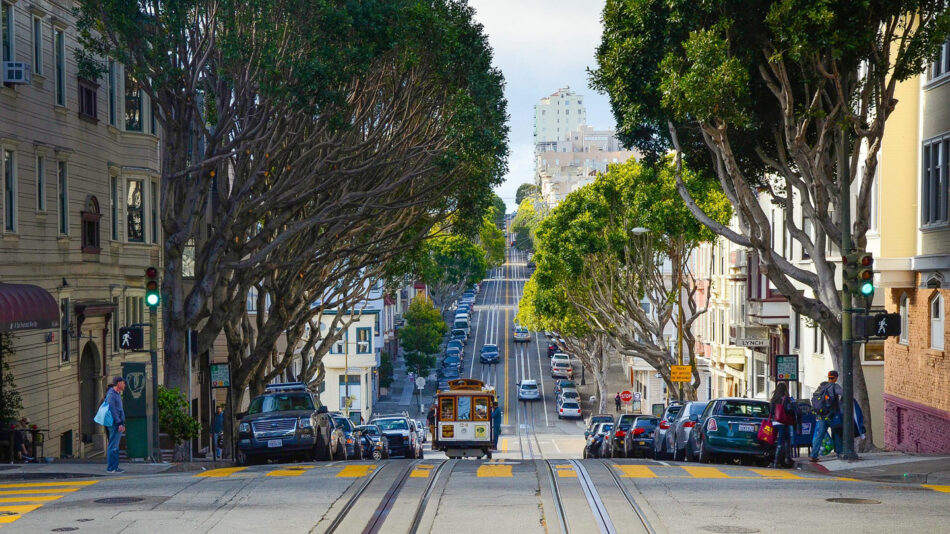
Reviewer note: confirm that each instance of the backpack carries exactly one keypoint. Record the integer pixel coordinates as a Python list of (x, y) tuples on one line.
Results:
[(825, 401)]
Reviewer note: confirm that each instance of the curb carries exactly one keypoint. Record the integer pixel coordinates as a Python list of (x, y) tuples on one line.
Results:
[(813, 467)]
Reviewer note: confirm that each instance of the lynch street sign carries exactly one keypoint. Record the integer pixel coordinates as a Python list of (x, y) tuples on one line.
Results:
[(752, 342)]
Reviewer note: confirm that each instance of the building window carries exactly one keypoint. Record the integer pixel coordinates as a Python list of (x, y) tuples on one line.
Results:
[(64, 333), (134, 310), (59, 42), (933, 202), (63, 197), (133, 104), (252, 300), (941, 65), (153, 121), (87, 100), (90, 226), (6, 25), (134, 207), (115, 324), (874, 351), (188, 259), (797, 339), (364, 340), (153, 204), (936, 322), (37, 45), (114, 206), (40, 183), (9, 191), (112, 92), (339, 346), (904, 338)]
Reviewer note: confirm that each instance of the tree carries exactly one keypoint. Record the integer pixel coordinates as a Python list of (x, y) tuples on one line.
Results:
[(784, 101), (421, 336), (451, 264), (173, 418), (10, 401), (526, 191), (524, 224), (492, 240), (498, 211)]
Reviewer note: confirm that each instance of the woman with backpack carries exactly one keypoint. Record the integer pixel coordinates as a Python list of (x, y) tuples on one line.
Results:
[(782, 414)]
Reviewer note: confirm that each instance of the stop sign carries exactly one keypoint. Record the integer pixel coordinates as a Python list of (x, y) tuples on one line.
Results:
[(626, 396)]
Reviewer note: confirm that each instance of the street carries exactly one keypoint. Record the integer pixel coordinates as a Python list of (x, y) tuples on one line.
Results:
[(535, 484)]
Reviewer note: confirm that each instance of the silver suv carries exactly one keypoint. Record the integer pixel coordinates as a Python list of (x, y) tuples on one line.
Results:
[(529, 390)]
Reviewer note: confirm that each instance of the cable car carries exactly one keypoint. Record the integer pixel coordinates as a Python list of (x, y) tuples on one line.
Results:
[(463, 424)]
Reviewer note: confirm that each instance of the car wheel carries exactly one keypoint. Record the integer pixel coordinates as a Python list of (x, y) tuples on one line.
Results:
[(703, 451), (241, 458), (690, 455), (677, 455), (377, 454), (656, 455)]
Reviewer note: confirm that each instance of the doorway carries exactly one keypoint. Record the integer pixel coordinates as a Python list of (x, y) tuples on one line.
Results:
[(89, 382)]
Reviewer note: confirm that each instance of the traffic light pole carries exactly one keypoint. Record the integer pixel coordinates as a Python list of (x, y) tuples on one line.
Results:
[(153, 353), (847, 341)]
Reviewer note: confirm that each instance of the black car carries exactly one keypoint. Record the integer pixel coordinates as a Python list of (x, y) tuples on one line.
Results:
[(639, 439), (660, 452), (349, 434), (279, 424), (618, 435), (400, 435), (489, 354), (373, 444), (593, 448), (553, 348)]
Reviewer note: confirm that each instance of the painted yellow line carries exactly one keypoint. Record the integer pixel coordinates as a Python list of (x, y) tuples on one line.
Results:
[(494, 471), (704, 472), (847, 479), (504, 445), (8, 518), (636, 471), (34, 498), (220, 472), (565, 471), (936, 487), (778, 474), (52, 484), (504, 332), (19, 508), (38, 491), (355, 471), (421, 471), (289, 472)]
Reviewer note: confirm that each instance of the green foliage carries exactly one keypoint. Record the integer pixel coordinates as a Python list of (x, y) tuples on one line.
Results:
[(524, 224), (525, 191), (453, 260), (10, 401), (496, 212), (173, 418), (419, 363), (492, 240), (424, 328), (385, 369)]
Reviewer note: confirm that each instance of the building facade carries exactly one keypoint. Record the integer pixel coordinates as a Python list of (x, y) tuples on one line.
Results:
[(556, 115), (79, 179)]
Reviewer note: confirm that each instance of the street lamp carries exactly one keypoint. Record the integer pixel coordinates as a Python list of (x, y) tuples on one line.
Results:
[(639, 230)]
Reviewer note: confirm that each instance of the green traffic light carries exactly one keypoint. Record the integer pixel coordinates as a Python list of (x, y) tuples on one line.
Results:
[(151, 299), (867, 288)]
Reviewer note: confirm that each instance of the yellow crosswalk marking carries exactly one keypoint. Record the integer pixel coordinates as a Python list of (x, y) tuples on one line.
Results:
[(34, 498), (38, 491), (777, 473), (294, 471), (566, 471), (421, 471), (220, 472), (936, 487), (355, 471), (8, 518), (494, 471), (19, 509), (704, 472), (44, 484), (636, 471)]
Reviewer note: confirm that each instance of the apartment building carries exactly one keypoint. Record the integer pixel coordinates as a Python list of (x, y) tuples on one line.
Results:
[(556, 115), (79, 181)]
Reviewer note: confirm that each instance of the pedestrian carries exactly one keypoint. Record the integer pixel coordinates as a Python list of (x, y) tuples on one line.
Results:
[(782, 414), (114, 400), (495, 424), (827, 405), (430, 419), (617, 402), (217, 430)]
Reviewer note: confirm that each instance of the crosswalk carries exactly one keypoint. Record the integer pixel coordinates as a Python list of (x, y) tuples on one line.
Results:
[(18, 499)]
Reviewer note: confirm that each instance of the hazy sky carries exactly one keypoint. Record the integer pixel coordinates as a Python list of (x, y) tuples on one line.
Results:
[(541, 45)]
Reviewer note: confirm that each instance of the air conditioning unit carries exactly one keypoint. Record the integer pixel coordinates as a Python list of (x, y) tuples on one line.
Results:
[(16, 72)]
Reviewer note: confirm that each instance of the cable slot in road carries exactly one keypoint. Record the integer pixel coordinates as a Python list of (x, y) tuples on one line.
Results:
[(556, 496), (609, 466), (597, 508)]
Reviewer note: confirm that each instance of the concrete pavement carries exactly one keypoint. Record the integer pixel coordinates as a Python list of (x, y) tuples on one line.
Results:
[(887, 467)]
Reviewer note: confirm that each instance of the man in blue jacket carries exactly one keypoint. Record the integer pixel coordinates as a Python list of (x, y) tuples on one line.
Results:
[(114, 400)]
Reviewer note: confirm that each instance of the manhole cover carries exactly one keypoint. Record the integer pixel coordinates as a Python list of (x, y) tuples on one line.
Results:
[(728, 529), (851, 500), (64, 529), (119, 500)]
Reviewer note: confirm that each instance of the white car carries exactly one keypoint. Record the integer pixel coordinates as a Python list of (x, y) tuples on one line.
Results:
[(562, 369), (560, 357), (569, 409), (528, 390), (521, 334), (569, 395)]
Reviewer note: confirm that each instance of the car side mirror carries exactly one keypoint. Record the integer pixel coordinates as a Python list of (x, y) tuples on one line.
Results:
[(587, 434), (694, 418)]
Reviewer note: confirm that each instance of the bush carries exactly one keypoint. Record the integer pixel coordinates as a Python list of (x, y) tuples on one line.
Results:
[(173, 418), (10, 402), (385, 370)]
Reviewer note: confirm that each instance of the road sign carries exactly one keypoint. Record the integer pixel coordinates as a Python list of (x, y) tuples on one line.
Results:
[(878, 326), (786, 367), (680, 373), (636, 396), (626, 396), (220, 377), (131, 338), (752, 342), (420, 382)]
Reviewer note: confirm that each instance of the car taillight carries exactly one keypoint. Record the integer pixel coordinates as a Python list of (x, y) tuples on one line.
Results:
[(711, 426), (620, 434), (664, 425), (562, 410), (638, 431), (689, 424)]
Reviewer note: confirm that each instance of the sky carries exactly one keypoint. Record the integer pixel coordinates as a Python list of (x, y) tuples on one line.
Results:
[(540, 46)]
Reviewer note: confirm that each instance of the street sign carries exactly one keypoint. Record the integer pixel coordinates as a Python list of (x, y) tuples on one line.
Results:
[(220, 377), (636, 396), (131, 338), (880, 325), (752, 342), (626, 396), (786, 367), (680, 373), (420, 382)]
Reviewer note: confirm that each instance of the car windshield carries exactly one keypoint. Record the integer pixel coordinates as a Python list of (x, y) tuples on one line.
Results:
[(569, 394), (672, 411), (369, 430), (458, 332), (570, 406), (280, 403), (562, 364), (745, 408), (646, 423), (392, 424), (567, 384), (697, 408), (605, 427), (529, 386), (343, 423), (490, 348), (451, 358)]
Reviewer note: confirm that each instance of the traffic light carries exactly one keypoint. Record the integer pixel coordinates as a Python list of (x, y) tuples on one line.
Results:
[(865, 276), (849, 272), (152, 295)]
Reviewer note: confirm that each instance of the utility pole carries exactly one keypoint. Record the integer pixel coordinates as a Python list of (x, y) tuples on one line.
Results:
[(847, 343), (153, 353)]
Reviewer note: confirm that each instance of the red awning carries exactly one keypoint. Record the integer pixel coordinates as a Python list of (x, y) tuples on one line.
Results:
[(27, 307)]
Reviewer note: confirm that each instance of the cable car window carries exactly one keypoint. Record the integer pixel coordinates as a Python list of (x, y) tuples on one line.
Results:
[(447, 409), (481, 409), (465, 409)]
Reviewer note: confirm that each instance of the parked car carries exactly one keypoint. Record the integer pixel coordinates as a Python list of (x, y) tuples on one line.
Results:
[(349, 435), (615, 443), (729, 427), (461, 333), (660, 451), (565, 384), (560, 357), (450, 372), (453, 351), (569, 395), (552, 349), (454, 344), (400, 434), (417, 429), (595, 439), (459, 337), (521, 335), (372, 442), (489, 354), (452, 361), (569, 409), (639, 439), (562, 369), (423, 430), (598, 418), (282, 423), (529, 390), (677, 437)]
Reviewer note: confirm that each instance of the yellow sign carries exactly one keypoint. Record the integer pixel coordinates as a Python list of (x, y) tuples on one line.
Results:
[(680, 373), (481, 432)]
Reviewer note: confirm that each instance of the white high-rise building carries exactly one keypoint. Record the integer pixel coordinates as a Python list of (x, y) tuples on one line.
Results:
[(556, 115)]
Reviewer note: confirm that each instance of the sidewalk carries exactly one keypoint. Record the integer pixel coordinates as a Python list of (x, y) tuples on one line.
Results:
[(616, 381), (66, 469), (887, 467)]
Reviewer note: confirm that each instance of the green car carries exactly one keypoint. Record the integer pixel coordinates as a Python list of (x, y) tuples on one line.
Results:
[(729, 428)]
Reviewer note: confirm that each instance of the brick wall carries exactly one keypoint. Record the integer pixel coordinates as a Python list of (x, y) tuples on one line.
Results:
[(917, 379)]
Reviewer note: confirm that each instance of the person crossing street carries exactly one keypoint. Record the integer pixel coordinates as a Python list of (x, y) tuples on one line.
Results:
[(827, 405)]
